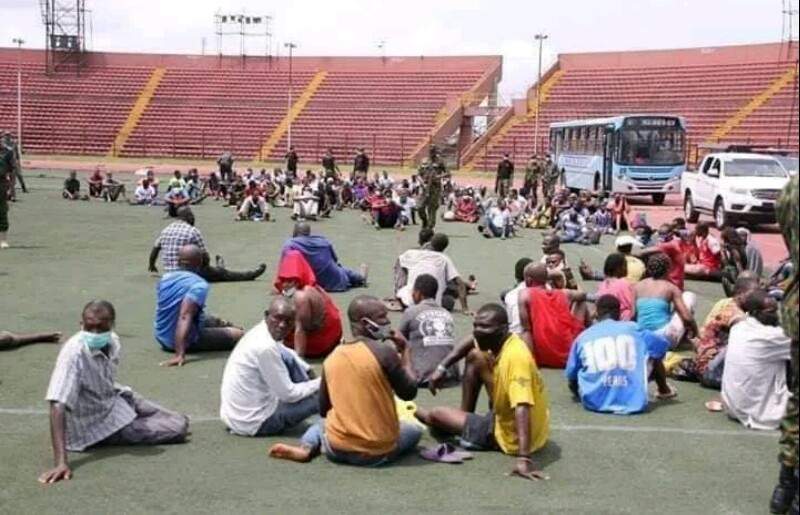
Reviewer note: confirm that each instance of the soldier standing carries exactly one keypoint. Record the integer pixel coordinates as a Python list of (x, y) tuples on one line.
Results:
[(533, 176), (360, 164), (329, 165), (785, 496), (505, 176), (291, 163), (431, 174), (550, 177), (8, 165), (8, 140)]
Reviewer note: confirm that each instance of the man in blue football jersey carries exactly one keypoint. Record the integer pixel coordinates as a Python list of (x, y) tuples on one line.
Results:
[(609, 363)]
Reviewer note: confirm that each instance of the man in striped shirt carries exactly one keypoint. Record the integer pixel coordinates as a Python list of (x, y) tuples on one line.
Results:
[(88, 408)]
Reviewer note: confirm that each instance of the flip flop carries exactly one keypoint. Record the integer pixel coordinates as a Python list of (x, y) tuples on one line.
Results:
[(441, 454), (713, 406), (673, 393), (461, 453)]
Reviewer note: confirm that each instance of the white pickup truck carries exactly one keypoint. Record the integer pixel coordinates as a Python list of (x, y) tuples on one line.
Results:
[(733, 187)]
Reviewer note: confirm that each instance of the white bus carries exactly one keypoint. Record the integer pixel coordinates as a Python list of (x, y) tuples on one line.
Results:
[(636, 154)]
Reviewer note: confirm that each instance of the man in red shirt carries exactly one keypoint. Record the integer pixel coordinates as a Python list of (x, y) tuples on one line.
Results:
[(708, 252)]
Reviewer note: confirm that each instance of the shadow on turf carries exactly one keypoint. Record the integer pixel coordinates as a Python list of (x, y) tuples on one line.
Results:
[(102, 453)]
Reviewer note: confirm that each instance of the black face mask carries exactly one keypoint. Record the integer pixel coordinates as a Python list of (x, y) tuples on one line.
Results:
[(490, 341), (770, 318)]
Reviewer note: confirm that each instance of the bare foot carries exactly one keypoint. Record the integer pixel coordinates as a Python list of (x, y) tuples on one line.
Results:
[(284, 451), (364, 268)]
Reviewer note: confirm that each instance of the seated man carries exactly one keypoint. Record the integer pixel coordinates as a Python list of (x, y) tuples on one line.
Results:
[(318, 323), (254, 199), (498, 222), (112, 189), (570, 226), (609, 363), (633, 264), (754, 388), (181, 325), (511, 297), (9, 340), (429, 329), (176, 198), (267, 388), (708, 363), (183, 232), (95, 183), (549, 325), (88, 408), (705, 255), (466, 209), (72, 187), (306, 205), (145, 194), (415, 262), (385, 212), (518, 423), (359, 382), (319, 253)]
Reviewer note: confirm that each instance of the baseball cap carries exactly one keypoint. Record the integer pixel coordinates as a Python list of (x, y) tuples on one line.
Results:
[(626, 240)]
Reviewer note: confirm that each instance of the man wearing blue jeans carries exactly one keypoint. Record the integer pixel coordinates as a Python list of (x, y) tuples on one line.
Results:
[(266, 387), (359, 382)]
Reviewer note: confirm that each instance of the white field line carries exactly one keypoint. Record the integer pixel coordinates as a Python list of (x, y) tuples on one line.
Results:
[(554, 427)]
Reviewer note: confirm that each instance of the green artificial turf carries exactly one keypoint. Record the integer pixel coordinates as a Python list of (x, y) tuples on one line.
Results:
[(676, 458)]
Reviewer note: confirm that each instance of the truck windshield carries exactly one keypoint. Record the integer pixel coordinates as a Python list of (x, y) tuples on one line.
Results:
[(753, 168), (651, 146)]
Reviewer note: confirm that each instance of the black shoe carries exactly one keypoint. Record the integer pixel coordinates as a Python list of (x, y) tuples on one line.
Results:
[(784, 493)]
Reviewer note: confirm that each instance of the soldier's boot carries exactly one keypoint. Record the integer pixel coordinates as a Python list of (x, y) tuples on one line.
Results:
[(785, 491)]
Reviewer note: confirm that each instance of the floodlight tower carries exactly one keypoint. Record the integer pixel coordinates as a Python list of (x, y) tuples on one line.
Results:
[(291, 46), (540, 38), (65, 33)]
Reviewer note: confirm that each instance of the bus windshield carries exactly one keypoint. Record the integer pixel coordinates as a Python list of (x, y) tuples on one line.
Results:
[(651, 146)]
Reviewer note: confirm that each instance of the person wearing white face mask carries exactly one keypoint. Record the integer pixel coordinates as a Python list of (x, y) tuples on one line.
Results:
[(88, 408), (318, 323)]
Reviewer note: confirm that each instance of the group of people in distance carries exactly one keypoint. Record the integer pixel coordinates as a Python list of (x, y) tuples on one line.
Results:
[(635, 328)]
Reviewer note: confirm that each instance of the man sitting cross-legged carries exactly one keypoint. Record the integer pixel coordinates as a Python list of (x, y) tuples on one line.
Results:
[(319, 253), (518, 422), (359, 381), (181, 324), (318, 323), (266, 387), (88, 408), (550, 319), (609, 363)]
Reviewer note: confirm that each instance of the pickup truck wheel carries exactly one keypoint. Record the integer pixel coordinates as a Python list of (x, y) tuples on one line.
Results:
[(721, 218), (688, 209), (658, 198)]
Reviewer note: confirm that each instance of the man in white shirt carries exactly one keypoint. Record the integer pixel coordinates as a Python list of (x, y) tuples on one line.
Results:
[(415, 262), (754, 389), (511, 297), (145, 194), (498, 221), (266, 387)]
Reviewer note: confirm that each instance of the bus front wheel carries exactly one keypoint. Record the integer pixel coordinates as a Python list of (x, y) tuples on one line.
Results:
[(658, 198)]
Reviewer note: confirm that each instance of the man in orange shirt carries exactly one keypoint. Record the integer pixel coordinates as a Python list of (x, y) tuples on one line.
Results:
[(359, 381)]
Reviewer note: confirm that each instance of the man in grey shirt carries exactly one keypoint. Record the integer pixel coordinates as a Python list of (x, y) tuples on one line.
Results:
[(429, 329)]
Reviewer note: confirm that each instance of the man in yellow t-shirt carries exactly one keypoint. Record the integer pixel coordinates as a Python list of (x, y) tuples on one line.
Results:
[(518, 423)]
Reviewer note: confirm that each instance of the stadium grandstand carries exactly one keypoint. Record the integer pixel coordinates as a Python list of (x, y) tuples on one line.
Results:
[(733, 94), (137, 105)]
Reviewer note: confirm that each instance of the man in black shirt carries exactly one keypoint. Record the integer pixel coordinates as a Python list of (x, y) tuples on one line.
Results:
[(360, 164), (291, 163), (72, 187), (329, 165), (505, 177)]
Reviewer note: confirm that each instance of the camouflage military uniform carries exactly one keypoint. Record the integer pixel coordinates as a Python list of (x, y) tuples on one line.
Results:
[(789, 220), (8, 166), (533, 176), (431, 174), (549, 179)]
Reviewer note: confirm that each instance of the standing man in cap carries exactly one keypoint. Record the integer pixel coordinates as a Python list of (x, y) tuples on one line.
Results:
[(505, 176), (432, 172), (533, 176)]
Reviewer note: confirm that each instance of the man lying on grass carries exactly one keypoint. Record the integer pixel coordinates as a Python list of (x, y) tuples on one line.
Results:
[(518, 423), (89, 409)]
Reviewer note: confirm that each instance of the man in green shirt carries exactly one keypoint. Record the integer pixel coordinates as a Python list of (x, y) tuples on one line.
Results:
[(431, 173)]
